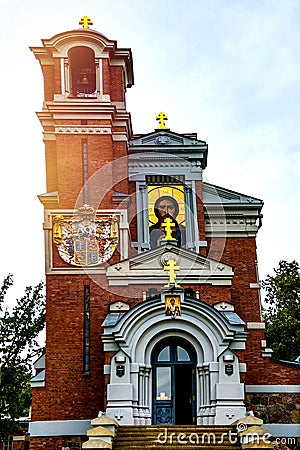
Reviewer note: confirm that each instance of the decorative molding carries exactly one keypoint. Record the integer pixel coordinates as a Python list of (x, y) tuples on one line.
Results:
[(230, 225), (118, 306), (224, 306), (51, 198), (142, 164), (74, 129)]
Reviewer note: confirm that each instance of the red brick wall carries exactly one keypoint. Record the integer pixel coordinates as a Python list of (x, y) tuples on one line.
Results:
[(57, 443), (68, 393), (240, 253)]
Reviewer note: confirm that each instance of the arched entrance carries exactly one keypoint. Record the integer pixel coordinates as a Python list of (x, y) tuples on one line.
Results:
[(174, 382)]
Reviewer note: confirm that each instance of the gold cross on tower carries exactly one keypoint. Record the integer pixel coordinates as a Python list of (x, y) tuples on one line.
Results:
[(85, 21), (171, 267), (168, 224), (161, 117)]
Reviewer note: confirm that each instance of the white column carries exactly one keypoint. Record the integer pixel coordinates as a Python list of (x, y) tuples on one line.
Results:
[(99, 76), (98, 66), (66, 77)]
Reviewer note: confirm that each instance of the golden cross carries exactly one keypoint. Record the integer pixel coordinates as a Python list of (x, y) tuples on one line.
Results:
[(171, 268), (168, 224), (85, 21), (161, 117)]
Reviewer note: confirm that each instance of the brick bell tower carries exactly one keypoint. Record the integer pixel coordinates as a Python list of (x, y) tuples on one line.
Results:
[(86, 128)]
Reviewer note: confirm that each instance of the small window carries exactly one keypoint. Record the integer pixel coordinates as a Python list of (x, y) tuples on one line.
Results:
[(7, 443), (189, 292), (163, 383), (164, 354), (152, 292), (182, 354)]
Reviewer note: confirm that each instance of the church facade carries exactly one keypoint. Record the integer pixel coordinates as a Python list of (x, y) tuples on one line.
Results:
[(152, 289)]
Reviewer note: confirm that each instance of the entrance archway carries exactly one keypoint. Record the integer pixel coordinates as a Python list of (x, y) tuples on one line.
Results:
[(174, 382)]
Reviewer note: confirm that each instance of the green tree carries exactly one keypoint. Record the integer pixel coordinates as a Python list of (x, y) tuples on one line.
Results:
[(282, 314), (20, 327)]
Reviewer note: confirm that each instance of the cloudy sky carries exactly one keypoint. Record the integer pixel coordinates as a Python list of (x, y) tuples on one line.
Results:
[(226, 69)]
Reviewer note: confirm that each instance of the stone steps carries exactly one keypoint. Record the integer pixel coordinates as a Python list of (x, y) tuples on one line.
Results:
[(176, 436)]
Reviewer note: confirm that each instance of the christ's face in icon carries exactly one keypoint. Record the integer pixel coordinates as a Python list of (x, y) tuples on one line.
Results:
[(166, 207)]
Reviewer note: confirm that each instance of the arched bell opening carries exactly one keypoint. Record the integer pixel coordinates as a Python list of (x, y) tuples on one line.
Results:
[(82, 71)]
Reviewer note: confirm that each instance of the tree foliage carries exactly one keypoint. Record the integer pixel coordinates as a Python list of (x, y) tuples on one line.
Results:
[(20, 327), (282, 315)]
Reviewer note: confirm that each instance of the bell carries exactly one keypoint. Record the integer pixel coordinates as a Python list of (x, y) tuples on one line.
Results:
[(84, 79)]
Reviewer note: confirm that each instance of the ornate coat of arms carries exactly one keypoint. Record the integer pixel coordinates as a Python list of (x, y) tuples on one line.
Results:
[(86, 239)]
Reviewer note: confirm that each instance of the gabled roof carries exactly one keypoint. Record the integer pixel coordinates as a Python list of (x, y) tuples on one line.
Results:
[(214, 195), (166, 137)]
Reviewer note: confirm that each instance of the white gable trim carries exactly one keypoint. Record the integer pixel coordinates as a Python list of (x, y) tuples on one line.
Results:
[(147, 269)]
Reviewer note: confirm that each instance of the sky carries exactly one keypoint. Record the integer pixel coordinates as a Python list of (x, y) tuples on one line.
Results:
[(226, 69)]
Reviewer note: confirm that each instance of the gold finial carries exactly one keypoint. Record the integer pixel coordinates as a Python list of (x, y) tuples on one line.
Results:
[(168, 224), (171, 267), (85, 21), (161, 117)]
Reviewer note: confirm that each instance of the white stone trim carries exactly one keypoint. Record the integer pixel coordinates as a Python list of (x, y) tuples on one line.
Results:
[(267, 353), (147, 269), (283, 430), (38, 384), (256, 325), (120, 137), (59, 428), (272, 389), (254, 286), (18, 438)]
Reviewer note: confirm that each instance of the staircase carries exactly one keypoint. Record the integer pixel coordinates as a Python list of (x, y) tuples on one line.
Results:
[(169, 437)]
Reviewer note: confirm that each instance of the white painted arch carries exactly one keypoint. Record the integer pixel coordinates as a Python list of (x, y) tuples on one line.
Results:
[(136, 334), (141, 327)]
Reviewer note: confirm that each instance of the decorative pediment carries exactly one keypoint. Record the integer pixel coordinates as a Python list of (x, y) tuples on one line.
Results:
[(166, 138), (147, 268), (166, 152)]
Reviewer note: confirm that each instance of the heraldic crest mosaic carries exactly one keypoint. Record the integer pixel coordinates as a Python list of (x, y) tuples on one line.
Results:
[(86, 238)]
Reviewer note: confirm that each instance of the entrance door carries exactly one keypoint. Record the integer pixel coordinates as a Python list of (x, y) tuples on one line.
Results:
[(174, 387)]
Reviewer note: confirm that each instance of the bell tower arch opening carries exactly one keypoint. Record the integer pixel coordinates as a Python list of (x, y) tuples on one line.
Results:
[(82, 71)]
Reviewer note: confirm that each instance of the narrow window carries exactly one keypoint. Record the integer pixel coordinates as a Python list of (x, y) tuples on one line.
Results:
[(86, 341), (85, 171)]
